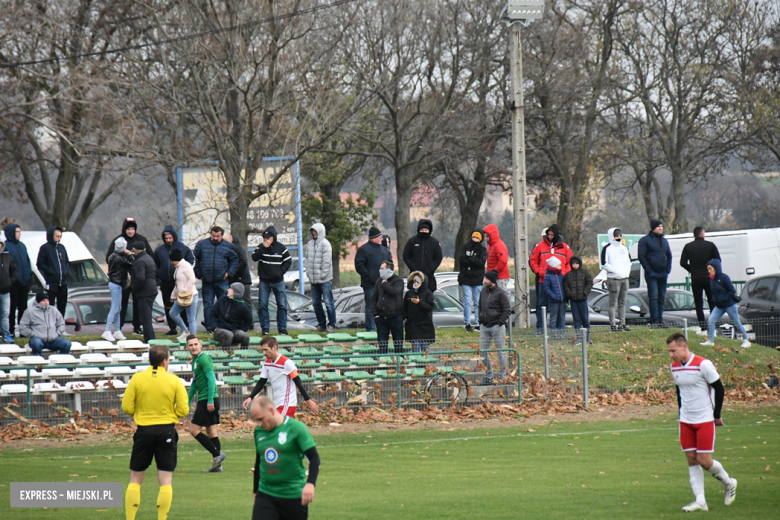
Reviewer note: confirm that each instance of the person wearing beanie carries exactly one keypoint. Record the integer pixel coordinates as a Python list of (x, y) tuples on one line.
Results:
[(319, 269), (422, 252), (551, 245), (21, 287), (655, 255), (418, 313), (616, 261), (119, 264), (577, 284), (215, 262), (494, 312), (184, 296), (130, 234), (556, 295), (8, 275), (273, 260), (387, 306), (53, 264), (368, 259), (473, 256), (44, 325), (232, 317), (166, 269), (143, 284)]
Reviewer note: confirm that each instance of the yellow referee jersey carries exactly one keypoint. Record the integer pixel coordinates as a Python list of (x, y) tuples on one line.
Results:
[(155, 397)]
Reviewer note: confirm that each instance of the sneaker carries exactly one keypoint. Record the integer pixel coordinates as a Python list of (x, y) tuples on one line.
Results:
[(695, 506), (330, 329), (614, 328), (283, 332), (707, 343), (64, 333), (119, 336), (624, 328), (486, 382), (476, 328), (8, 338), (182, 338), (265, 332), (172, 332), (138, 332), (746, 344), (731, 492), (538, 333), (218, 469), (468, 327), (107, 336), (320, 329), (216, 462)]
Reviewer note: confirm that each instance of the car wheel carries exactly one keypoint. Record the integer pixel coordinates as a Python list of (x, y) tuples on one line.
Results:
[(296, 286)]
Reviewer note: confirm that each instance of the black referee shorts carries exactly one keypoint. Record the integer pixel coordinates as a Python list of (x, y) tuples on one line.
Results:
[(159, 442), (202, 416), (274, 508)]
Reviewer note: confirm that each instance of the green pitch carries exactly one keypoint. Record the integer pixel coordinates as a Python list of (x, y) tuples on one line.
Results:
[(605, 469)]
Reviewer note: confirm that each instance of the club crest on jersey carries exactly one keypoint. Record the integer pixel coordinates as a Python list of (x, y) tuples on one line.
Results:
[(271, 456), (195, 366), (282, 437)]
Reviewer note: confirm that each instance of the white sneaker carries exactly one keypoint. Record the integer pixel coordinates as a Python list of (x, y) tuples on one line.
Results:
[(746, 343), (107, 336), (182, 338), (731, 492), (707, 343), (695, 506), (119, 336)]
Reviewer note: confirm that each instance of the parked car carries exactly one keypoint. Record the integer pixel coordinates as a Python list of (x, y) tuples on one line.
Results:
[(294, 299), (679, 305), (760, 307), (88, 315), (291, 277)]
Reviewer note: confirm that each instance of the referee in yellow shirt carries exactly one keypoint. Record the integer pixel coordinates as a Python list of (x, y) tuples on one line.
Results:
[(156, 400)]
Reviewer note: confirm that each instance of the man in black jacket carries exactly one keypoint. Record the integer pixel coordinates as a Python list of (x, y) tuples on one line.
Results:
[(367, 261), (8, 276), (693, 259), (131, 236), (53, 264), (473, 256), (387, 306), (166, 270), (243, 274), (143, 283), (233, 318), (494, 312), (423, 252), (273, 260)]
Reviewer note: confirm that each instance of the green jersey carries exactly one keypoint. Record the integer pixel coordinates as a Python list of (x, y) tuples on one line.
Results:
[(280, 472), (203, 379)]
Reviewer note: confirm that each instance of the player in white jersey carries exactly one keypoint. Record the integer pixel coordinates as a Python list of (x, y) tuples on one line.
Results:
[(700, 399), (283, 374)]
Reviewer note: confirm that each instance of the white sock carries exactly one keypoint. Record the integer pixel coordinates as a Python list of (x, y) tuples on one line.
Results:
[(717, 471), (697, 483)]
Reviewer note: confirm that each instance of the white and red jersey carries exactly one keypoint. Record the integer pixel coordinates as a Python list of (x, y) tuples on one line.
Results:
[(280, 373), (693, 378)]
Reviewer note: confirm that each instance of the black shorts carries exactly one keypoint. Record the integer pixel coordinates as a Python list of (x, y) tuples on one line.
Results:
[(274, 508), (202, 416), (159, 442)]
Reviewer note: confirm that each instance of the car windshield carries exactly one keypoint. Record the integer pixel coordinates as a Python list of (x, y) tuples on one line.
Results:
[(679, 301), (86, 273)]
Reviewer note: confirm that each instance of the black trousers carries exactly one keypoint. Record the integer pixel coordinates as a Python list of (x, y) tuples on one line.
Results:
[(136, 319), (19, 295), (58, 296), (275, 508), (144, 306), (166, 289), (697, 286)]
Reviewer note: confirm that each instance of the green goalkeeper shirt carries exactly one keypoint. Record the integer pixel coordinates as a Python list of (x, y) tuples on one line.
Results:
[(203, 379), (279, 471)]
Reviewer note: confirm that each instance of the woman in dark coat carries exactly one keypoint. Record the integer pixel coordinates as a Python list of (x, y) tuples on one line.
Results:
[(418, 312)]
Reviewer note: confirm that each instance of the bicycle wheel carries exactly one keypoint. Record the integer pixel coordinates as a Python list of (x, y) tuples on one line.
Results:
[(450, 388)]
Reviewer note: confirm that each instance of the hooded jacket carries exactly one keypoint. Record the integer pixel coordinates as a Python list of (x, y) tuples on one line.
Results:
[(655, 255), (162, 255), (53, 260), (213, 261), (494, 306), (423, 253), (119, 265), (8, 270), (18, 251), (143, 279), (498, 256), (553, 285), (45, 323), (272, 262), (578, 282), (723, 291), (127, 223), (232, 315), (615, 257), (419, 316), (243, 274), (387, 299), (473, 256), (368, 258), (319, 257), (545, 248), (695, 255), (185, 279)]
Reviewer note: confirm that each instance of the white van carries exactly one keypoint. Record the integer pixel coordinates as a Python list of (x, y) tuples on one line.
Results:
[(84, 271)]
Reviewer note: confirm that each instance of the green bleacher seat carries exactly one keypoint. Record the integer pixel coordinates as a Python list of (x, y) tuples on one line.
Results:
[(245, 365), (306, 377), (336, 349), (306, 351), (367, 336), (286, 339), (309, 363), (255, 340), (181, 354), (358, 374), (236, 380), (256, 378), (415, 372), (165, 342), (331, 376), (341, 336), (384, 374), (389, 360), (363, 361), (220, 366), (366, 349), (283, 352), (335, 362), (446, 370), (423, 359), (311, 338), (247, 354), (216, 354)]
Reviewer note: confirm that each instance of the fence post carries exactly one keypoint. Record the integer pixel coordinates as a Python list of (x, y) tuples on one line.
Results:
[(544, 331), (398, 374), (511, 339), (585, 369), (519, 378), (685, 329), (29, 391)]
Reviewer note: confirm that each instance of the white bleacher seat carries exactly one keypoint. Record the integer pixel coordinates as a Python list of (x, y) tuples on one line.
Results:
[(79, 385), (5, 361), (22, 374), (117, 383), (63, 359), (31, 360), (220, 383), (101, 345), (77, 348), (124, 357), (11, 349), (119, 371), (3, 375), (48, 387), (141, 368), (87, 371), (175, 369), (15, 388), (186, 383), (145, 357), (56, 372), (132, 344), (94, 359)]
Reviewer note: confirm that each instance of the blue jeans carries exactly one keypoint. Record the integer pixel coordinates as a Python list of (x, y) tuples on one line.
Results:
[(471, 302), (541, 301), (557, 315), (114, 315), (368, 292), (716, 313), (656, 293), (320, 291), (61, 344), (386, 326), (210, 291), (5, 308), (192, 315), (579, 311), (280, 293), (421, 345)]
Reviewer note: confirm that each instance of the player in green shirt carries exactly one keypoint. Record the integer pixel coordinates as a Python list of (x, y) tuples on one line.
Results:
[(281, 487), (207, 411)]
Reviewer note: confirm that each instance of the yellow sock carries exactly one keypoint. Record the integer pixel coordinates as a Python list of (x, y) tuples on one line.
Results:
[(164, 500), (132, 500)]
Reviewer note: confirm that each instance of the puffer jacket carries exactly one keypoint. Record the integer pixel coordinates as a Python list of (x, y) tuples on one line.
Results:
[(473, 256), (18, 251), (577, 283), (272, 262), (544, 249), (162, 255), (498, 255), (127, 223), (212, 261), (243, 274), (42, 322), (387, 300), (419, 316), (319, 257), (8, 270), (553, 285), (119, 265), (143, 278), (723, 291), (422, 252), (230, 314), (368, 258), (53, 261), (494, 306), (185, 279), (655, 255)]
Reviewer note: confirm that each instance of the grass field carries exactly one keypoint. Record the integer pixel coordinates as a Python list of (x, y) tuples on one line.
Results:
[(581, 469)]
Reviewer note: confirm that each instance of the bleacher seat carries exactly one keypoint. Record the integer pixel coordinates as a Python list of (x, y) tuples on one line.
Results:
[(145, 357), (14, 388), (31, 360), (247, 354), (309, 363), (124, 357), (119, 371), (307, 351), (216, 354), (335, 362), (101, 345), (186, 383), (341, 336), (363, 361), (331, 376), (141, 368), (79, 385), (94, 358), (22, 374), (181, 354), (367, 336), (385, 374), (56, 372), (77, 348), (48, 387), (365, 349), (358, 374), (307, 378), (236, 380), (63, 359), (166, 342), (312, 338), (177, 369), (5, 361), (118, 384), (12, 349), (132, 344), (286, 339), (87, 371), (336, 349)]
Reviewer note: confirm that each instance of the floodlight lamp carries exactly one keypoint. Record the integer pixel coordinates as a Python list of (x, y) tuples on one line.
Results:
[(523, 11)]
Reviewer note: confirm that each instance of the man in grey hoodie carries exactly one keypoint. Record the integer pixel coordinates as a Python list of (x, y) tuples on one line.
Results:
[(617, 263), (44, 325), (319, 269)]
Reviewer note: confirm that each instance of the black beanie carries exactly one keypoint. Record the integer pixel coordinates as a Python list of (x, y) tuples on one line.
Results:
[(40, 296), (654, 223), (176, 255), (492, 276), (139, 246), (373, 232)]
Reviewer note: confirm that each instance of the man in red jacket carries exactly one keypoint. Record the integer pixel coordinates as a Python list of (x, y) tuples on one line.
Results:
[(551, 245), (498, 257)]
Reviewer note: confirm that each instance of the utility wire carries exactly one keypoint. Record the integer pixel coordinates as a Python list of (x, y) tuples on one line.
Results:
[(286, 16)]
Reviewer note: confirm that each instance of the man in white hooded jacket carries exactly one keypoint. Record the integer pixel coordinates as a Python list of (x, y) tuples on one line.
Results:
[(319, 269), (617, 263)]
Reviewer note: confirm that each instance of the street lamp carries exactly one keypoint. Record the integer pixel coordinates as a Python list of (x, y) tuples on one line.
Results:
[(517, 13)]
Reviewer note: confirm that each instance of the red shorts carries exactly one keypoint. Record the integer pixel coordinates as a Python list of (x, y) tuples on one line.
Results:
[(290, 411), (698, 437)]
